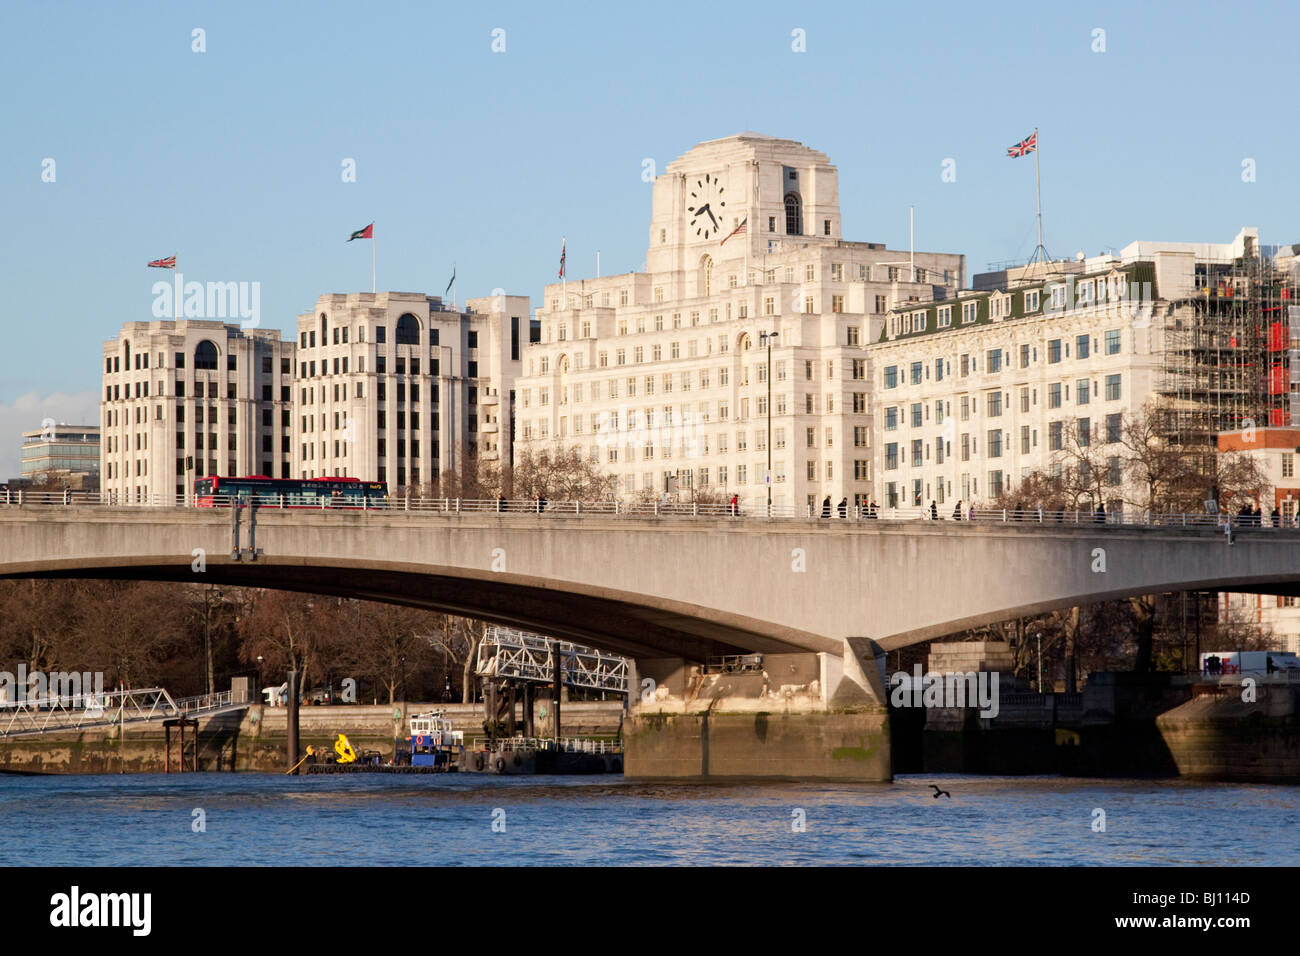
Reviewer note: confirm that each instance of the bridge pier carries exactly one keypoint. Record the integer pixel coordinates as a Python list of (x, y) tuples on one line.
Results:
[(801, 716)]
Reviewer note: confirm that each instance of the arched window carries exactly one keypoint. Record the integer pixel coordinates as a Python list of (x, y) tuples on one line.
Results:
[(706, 276), (408, 330), (205, 356), (744, 342), (793, 215)]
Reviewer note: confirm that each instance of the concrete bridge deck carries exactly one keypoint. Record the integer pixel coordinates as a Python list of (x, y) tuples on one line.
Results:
[(677, 587)]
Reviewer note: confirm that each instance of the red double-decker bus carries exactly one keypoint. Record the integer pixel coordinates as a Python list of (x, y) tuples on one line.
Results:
[(218, 492)]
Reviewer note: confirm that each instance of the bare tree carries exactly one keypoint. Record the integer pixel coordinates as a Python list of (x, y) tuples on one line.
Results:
[(562, 474)]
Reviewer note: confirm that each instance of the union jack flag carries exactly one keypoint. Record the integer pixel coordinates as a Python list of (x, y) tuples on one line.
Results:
[(166, 263), (1027, 145), (562, 247)]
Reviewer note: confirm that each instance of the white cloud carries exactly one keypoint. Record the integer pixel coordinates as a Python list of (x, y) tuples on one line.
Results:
[(26, 412)]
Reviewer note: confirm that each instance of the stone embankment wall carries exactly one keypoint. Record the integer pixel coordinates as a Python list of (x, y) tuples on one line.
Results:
[(254, 739)]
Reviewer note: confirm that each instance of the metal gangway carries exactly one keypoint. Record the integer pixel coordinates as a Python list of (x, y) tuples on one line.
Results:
[(509, 654), (74, 712)]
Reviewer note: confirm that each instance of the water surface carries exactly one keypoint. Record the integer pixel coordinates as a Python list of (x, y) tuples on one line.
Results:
[(266, 819)]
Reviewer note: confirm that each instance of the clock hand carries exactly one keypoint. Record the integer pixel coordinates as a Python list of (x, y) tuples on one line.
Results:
[(715, 221), (702, 210)]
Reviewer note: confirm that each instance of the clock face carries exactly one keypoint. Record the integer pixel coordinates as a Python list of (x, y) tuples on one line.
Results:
[(706, 201)]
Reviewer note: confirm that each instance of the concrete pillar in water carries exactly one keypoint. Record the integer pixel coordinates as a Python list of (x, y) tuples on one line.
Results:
[(801, 716)]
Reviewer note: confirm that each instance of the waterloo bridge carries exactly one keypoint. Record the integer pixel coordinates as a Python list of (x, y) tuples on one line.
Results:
[(821, 599)]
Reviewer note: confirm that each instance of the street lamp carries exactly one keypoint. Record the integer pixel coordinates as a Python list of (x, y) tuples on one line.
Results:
[(765, 338)]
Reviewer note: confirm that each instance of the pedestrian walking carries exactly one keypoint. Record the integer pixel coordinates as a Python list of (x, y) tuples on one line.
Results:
[(826, 507), (1100, 517), (735, 506), (844, 507), (501, 502), (934, 511), (956, 512)]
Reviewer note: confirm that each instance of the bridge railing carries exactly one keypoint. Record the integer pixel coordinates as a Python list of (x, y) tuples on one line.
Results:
[(204, 702), (673, 509)]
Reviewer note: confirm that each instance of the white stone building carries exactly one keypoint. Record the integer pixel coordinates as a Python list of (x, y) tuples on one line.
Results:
[(662, 375), (189, 398), (976, 392), (397, 387)]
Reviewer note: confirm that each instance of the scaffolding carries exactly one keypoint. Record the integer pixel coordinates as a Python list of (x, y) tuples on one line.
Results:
[(1228, 360)]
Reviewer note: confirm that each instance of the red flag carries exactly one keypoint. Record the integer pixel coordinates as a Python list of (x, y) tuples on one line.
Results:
[(562, 245), (366, 233)]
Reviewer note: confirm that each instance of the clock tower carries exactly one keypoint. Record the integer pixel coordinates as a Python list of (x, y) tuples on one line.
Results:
[(730, 200)]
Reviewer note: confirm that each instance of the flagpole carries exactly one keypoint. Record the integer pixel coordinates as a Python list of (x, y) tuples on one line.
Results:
[(455, 307), (1038, 189), (176, 266), (564, 274), (753, 201), (374, 282)]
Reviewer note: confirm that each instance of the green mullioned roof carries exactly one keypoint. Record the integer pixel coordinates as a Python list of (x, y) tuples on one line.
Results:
[(1137, 272)]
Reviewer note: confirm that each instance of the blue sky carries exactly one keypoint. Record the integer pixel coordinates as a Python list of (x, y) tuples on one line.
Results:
[(231, 158)]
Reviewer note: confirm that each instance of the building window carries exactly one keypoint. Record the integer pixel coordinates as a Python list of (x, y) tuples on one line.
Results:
[(1053, 351), (1112, 341), (1112, 388), (1054, 395), (793, 215), (1114, 427), (1114, 471), (205, 356)]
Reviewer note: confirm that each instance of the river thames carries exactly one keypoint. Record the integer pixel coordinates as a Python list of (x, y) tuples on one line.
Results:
[(472, 819)]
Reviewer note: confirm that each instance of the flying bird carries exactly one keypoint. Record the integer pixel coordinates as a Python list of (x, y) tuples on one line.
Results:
[(940, 793)]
